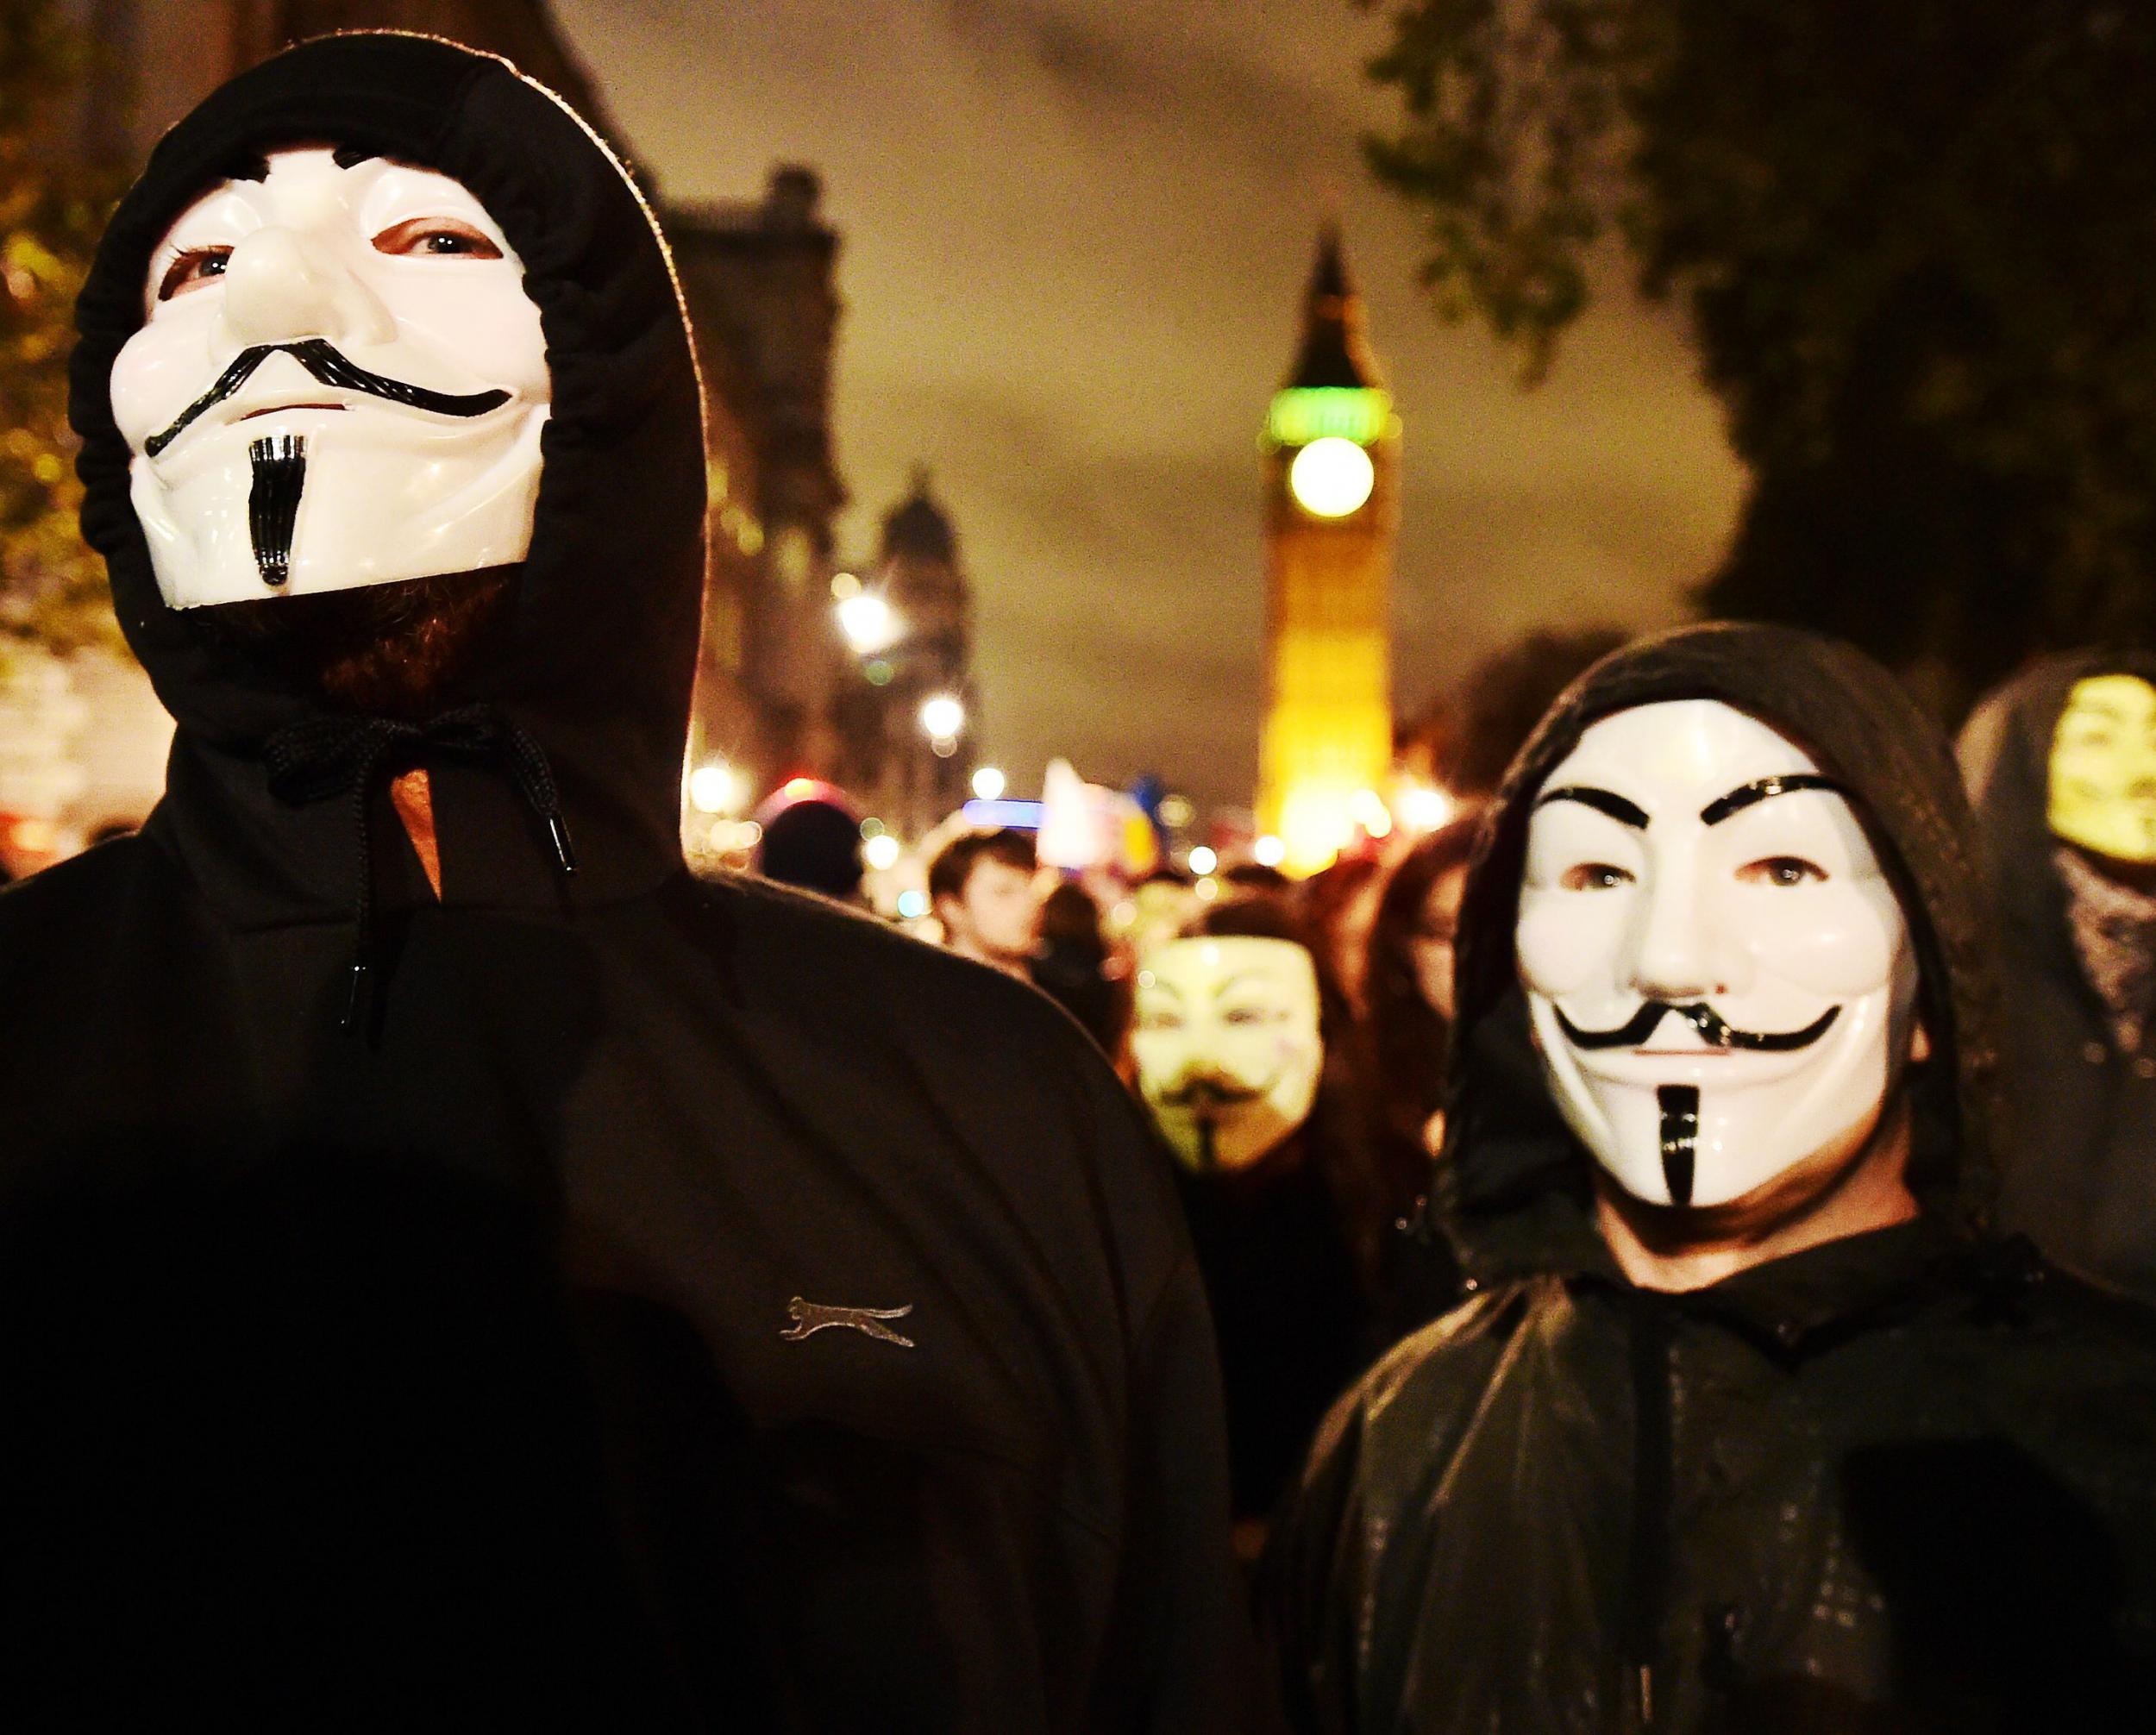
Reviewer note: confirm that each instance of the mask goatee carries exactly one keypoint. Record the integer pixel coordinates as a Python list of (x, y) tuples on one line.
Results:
[(1680, 1138), (272, 503)]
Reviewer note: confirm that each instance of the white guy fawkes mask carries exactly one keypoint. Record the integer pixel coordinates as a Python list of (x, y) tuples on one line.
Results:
[(339, 382), (1719, 975), (1227, 1045)]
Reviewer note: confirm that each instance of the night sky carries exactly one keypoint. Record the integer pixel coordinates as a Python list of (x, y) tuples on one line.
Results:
[(1075, 235)]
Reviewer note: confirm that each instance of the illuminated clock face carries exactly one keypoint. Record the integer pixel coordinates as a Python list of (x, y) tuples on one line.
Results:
[(1330, 477)]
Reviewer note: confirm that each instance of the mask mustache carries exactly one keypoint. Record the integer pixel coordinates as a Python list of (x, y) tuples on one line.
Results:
[(1206, 1097), (328, 364), (1714, 1030)]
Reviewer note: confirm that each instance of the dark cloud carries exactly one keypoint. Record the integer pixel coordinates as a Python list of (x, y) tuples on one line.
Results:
[(1076, 239)]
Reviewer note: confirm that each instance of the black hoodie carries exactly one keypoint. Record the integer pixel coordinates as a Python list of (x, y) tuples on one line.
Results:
[(483, 1344), (2079, 1174), (1901, 1481)]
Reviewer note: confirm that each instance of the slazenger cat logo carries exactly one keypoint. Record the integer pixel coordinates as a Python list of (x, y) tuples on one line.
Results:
[(811, 1317)]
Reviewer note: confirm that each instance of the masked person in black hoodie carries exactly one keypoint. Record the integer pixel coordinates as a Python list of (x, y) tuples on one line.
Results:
[(2061, 764), (453, 1267), (1747, 1422)]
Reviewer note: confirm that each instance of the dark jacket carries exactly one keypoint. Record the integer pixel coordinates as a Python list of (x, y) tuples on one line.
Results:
[(2079, 1174), (1903, 1480), (468, 1368)]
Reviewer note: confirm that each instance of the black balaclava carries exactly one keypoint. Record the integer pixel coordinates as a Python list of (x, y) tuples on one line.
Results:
[(1506, 1149), (594, 658)]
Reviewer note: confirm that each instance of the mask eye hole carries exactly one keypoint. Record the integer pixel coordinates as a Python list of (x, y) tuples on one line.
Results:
[(435, 237), (1781, 870), (1594, 876), (1251, 1015), (194, 269), (1159, 1018)]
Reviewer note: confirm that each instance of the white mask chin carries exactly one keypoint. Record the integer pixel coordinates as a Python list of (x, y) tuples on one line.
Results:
[(1227, 1046), (376, 380), (1686, 854)]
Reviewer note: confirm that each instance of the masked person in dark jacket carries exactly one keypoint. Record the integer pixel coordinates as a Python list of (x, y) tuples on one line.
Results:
[(457, 1268), (1747, 1422), (2061, 764)]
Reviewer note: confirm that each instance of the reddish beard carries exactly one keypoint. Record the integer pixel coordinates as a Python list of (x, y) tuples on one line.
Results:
[(382, 650)]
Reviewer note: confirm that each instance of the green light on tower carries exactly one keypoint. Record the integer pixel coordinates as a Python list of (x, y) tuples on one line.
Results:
[(1306, 413)]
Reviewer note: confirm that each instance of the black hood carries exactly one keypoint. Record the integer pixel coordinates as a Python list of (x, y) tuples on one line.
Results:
[(596, 661), (1507, 1156)]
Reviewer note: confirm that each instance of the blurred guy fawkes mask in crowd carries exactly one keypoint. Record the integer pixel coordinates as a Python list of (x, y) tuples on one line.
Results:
[(339, 382), (1227, 1045), (1719, 976), (2103, 769)]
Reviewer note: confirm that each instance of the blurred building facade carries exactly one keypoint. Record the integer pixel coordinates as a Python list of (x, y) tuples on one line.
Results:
[(1331, 470), (759, 278), (920, 664)]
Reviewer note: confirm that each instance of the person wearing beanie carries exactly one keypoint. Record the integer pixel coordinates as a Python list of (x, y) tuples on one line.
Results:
[(811, 840)]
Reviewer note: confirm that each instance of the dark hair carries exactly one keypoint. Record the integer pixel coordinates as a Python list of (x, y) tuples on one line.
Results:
[(1408, 1037), (955, 862), (1078, 970)]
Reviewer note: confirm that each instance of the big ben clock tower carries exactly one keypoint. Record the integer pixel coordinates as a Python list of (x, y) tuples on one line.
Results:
[(1332, 508)]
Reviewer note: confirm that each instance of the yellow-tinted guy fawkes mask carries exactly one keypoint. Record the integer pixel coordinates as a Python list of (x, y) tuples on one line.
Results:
[(1227, 1045), (2104, 767)]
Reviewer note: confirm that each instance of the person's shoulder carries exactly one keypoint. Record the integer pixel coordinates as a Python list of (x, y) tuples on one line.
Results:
[(2086, 1314), (71, 900), (995, 1067), (1433, 1371), (786, 942)]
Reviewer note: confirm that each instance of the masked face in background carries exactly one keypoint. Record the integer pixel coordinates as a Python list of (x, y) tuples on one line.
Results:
[(1227, 1045), (2103, 769), (340, 382), (1719, 973)]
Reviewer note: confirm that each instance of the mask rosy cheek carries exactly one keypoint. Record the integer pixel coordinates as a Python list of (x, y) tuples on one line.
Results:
[(1562, 947), (1845, 949)]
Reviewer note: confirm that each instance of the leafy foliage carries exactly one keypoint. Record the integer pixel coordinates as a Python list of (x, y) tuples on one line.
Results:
[(1912, 240), (52, 208)]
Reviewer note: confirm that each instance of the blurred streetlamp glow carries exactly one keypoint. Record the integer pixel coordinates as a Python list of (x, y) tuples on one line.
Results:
[(868, 621), (1332, 477), (942, 717), (1372, 813), (844, 585), (1269, 852), (1203, 860), (1316, 822), (988, 783), (1422, 807), (881, 852), (715, 787)]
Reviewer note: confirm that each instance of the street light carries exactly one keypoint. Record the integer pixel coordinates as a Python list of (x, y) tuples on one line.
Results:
[(869, 623), (715, 787), (942, 717)]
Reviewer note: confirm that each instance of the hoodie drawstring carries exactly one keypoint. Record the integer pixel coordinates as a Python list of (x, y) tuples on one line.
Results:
[(320, 757), (1652, 1337)]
